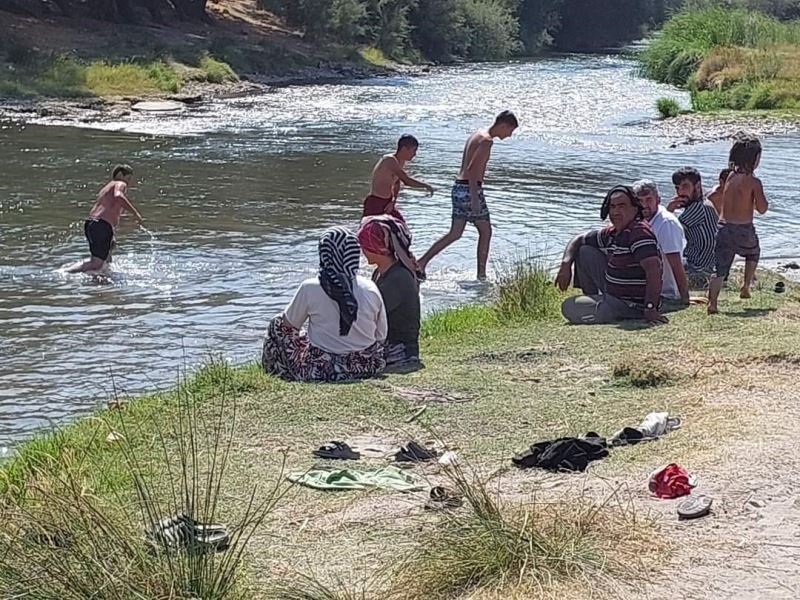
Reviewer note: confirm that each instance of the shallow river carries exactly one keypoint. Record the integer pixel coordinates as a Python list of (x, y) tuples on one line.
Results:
[(236, 193)]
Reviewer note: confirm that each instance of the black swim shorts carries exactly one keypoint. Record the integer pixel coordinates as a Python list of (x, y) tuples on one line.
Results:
[(100, 235), (733, 239)]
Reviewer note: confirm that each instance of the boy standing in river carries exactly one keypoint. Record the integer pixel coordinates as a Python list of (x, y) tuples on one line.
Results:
[(742, 196), (388, 174), (104, 217), (469, 204)]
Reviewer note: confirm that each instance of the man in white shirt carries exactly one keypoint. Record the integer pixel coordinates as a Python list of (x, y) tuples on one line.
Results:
[(671, 239)]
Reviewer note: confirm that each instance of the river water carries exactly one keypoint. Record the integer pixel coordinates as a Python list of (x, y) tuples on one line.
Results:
[(236, 193)]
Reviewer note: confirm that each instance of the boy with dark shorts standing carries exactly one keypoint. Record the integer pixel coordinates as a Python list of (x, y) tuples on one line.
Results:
[(469, 204), (99, 228), (743, 195)]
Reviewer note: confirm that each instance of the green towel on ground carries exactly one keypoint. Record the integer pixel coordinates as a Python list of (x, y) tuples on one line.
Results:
[(389, 478)]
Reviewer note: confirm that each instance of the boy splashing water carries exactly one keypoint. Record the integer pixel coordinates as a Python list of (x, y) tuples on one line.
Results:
[(743, 195), (99, 228)]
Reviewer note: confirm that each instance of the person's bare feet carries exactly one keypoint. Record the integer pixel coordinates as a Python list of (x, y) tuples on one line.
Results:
[(712, 309), (744, 293)]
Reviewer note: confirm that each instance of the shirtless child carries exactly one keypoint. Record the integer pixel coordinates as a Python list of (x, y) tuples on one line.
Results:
[(469, 204), (104, 217), (743, 195), (715, 195), (388, 174)]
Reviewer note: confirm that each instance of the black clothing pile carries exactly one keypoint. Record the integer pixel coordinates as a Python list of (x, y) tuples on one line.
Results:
[(563, 454)]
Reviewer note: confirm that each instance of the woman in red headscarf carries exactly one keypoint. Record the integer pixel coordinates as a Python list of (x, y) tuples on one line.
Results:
[(385, 242)]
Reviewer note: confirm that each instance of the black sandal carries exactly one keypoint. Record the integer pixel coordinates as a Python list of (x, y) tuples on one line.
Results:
[(414, 452), (336, 451)]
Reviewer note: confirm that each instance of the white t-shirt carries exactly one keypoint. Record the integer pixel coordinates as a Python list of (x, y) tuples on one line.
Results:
[(312, 304), (671, 239)]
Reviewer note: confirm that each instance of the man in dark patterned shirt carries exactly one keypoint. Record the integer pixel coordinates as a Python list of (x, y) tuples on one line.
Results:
[(699, 219), (618, 268)]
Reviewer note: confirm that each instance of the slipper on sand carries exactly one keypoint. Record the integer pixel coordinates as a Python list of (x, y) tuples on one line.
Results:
[(336, 451), (442, 498), (414, 452), (695, 507)]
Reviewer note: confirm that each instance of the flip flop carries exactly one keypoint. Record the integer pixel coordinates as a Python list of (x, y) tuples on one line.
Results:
[(780, 287), (414, 452), (336, 451), (695, 507), (442, 498), (181, 531)]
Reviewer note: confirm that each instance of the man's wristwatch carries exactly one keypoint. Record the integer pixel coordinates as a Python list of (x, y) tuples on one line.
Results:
[(649, 306)]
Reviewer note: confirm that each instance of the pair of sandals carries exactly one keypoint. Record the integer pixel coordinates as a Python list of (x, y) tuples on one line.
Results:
[(412, 452), (182, 531)]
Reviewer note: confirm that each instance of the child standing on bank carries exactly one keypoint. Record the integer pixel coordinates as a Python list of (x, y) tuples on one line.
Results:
[(743, 195), (104, 217)]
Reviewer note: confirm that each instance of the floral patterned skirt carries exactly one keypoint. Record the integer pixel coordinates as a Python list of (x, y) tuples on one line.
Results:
[(288, 354)]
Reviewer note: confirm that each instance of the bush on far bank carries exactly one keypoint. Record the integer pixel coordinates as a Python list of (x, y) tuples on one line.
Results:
[(729, 59)]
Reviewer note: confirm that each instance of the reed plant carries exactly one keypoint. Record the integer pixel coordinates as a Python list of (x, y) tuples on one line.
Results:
[(62, 539)]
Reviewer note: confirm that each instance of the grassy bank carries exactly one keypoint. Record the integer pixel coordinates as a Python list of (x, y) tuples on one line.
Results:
[(499, 377), (729, 59), (66, 76)]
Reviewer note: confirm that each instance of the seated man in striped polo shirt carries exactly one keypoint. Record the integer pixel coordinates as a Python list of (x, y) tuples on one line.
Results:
[(618, 268)]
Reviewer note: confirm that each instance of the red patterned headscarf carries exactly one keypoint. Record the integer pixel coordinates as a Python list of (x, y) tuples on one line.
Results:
[(383, 234)]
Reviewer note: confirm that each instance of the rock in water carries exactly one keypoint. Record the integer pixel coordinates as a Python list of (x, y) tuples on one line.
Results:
[(159, 106)]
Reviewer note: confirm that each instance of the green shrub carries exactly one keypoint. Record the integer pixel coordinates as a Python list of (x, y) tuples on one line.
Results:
[(494, 30), (692, 33), (668, 108), (216, 71), (63, 76)]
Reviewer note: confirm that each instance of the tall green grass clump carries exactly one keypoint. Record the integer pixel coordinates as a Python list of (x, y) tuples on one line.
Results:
[(495, 545), (677, 50), (108, 79), (65, 537), (525, 291), (461, 319), (668, 108), (216, 71)]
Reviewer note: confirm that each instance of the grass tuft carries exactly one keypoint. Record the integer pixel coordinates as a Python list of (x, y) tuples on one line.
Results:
[(63, 538), (462, 319), (525, 291), (668, 108), (643, 375), (216, 71), (494, 545)]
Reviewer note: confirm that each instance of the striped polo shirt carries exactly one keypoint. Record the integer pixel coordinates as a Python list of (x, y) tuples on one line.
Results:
[(699, 220), (626, 249)]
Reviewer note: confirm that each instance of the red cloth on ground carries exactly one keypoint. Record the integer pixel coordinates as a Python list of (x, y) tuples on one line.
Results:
[(375, 205), (671, 481)]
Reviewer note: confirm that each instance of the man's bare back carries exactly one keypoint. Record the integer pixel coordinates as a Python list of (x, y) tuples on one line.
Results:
[(385, 181), (743, 195), (476, 155), (110, 202)]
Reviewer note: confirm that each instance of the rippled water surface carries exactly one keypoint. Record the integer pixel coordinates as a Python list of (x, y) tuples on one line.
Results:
[(235, 194)]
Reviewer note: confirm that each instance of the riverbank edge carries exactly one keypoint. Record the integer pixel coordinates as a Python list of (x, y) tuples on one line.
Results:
[(447, 329), (78, 111)]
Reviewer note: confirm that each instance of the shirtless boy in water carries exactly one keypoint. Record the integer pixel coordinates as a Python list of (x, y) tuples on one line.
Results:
[(104, 217), (469, 205), (743, 195), (388, 174)]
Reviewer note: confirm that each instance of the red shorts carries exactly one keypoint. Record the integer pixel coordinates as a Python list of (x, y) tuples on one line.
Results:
[(375, 205)]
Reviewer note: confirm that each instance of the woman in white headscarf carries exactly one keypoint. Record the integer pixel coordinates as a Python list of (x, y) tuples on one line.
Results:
[(345, 317)]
